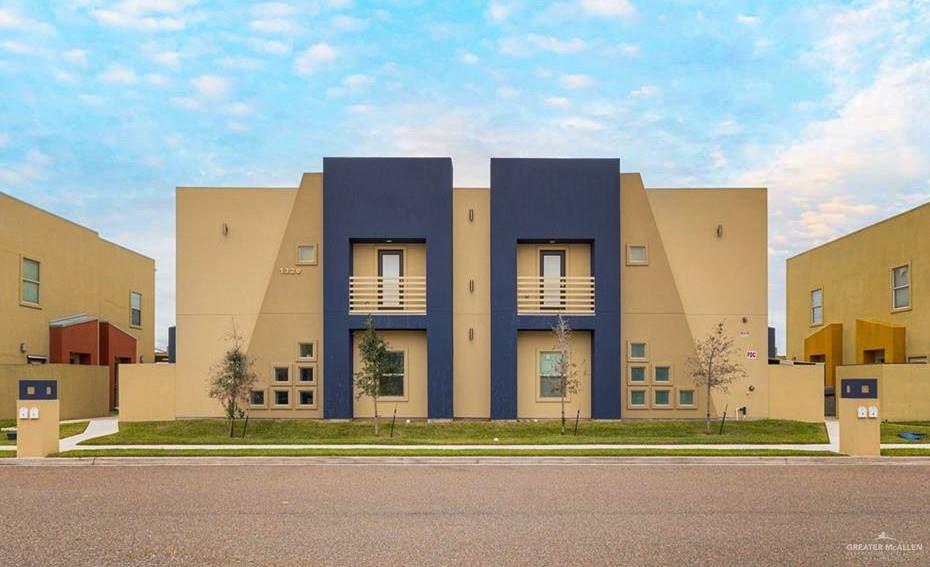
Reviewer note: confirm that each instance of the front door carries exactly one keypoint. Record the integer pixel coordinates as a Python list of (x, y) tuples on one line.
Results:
[(551, 272), (391, 270)]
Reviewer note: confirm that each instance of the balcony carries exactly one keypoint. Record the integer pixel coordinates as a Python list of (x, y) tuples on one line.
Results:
[(547, 295), (404, 295)]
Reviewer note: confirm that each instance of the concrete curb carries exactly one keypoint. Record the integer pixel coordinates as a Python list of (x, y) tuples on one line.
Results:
[(463, 461)]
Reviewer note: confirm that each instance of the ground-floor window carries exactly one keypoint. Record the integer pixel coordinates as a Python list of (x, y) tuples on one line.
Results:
[(685, 397), (637, 398), (637, 374), (306, 398), (282, 374), (257, 398), (282, 398), (662, 398), (550, 377), (392, 383)]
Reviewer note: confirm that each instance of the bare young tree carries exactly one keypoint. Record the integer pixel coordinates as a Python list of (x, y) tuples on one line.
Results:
[(374, 364), (714, 364), (232, 379), (565, 369)]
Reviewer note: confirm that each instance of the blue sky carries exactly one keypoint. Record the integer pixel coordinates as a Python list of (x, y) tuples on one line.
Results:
[(108, 105)]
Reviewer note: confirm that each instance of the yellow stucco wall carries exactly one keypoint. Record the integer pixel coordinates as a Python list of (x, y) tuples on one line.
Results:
[(414, 402), (904, 388), (471, 304), (38, 437), (855, 275), (275, 302), (147, 392), (796, 392), (82, 390), (693, 280), (80, 273), (529, 403), (875, 335), (825, 342)]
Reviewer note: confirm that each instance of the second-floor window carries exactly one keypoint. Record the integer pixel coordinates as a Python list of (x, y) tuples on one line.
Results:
[(901, 287), (817, 307), (135, 309), (31, 281)]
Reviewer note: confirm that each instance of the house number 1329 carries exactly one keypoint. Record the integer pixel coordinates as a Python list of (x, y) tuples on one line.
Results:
[(290, 271)]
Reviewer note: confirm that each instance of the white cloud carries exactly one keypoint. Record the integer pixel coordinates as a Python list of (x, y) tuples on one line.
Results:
[(507, 92), (118, 74), (157, 80), (241, 63), (31, 167), (498, 11), (272, 46), (211, 86), (91, 100), (170, 59), (347, 23), (316, 56), (76, 56), (645, 91), (17, 47), (352, 84), (148, 15), (273, 9), (469, 58), (581, 123), (575, 81), (531, 43), (273, 25), (727, 127), (559, 101), (12, 20), (238, 109), (627, 49), (609, 8), (358, 108), (186, 102), (747, 20)]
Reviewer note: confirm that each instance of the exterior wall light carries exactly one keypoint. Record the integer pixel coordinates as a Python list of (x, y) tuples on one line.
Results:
[(471, 215), (471, 286), (22, 347), (471, 333), (719, 231), (225, 229)]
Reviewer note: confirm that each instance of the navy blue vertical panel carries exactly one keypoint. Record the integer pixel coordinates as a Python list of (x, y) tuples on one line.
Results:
[(375, 199), (566, 200)]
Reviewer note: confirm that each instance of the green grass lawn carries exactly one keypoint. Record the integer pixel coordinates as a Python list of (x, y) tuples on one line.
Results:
[(427, 452), (890, 431), (906, 452), (283, 431), (64, 430)]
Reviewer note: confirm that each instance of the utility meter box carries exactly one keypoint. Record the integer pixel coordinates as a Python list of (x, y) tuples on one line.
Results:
[(37, 418), (858, 410)]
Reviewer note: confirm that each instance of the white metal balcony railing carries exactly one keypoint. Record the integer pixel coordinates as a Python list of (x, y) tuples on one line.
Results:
[(377, 294), (572, 294)]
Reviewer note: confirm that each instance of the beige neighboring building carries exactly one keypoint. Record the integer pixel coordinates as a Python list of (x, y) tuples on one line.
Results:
[(465, 285), (68, 296), (864, 299)]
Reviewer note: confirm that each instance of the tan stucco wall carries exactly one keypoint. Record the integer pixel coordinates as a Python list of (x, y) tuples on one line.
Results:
[(855, 275), (904, 388), (692, 281), (796, 392), (414, 404), (82, 390), (471, 261), (826, 342), (80, 273), (529, 405), (273, 306), (147, 392), (38, 437)]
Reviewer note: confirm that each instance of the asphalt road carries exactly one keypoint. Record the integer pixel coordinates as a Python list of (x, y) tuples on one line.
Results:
[(507, 514)]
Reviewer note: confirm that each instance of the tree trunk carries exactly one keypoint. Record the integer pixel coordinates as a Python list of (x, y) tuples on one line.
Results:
[(707, 428), (376, 416), (563, 411)]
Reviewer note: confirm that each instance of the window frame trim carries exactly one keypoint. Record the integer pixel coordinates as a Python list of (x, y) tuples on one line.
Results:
[(671, 374), (811, 307), (909, 287), (274, 374), (646, 374), (316, 400), (693, 403), (539, 397), (629, 350), (406, 395), (264, 404), (671, 400), (629, 259), (131, 309), (629, 398), (316, 254), (297, 381), (274, 401), (22, 280)]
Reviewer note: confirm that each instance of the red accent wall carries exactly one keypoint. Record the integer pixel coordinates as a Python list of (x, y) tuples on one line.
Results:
[(115, 344), (105, 343), (76, 338)]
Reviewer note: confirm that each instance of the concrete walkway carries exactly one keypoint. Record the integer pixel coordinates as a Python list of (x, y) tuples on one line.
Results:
[(98, 427)]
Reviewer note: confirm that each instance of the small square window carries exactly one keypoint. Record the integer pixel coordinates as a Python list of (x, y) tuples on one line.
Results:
[(257, 398), (306, 351), (306, 254), (662, 398), (638, 374), (282, 397), (637, 351), (306, 374), (638, 398), (685, 397), (663, 374), (636, 255), (306, 397), (282, 374)]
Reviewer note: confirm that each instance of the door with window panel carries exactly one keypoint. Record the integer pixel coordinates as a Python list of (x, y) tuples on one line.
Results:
[(391, 272), (552, 274)]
